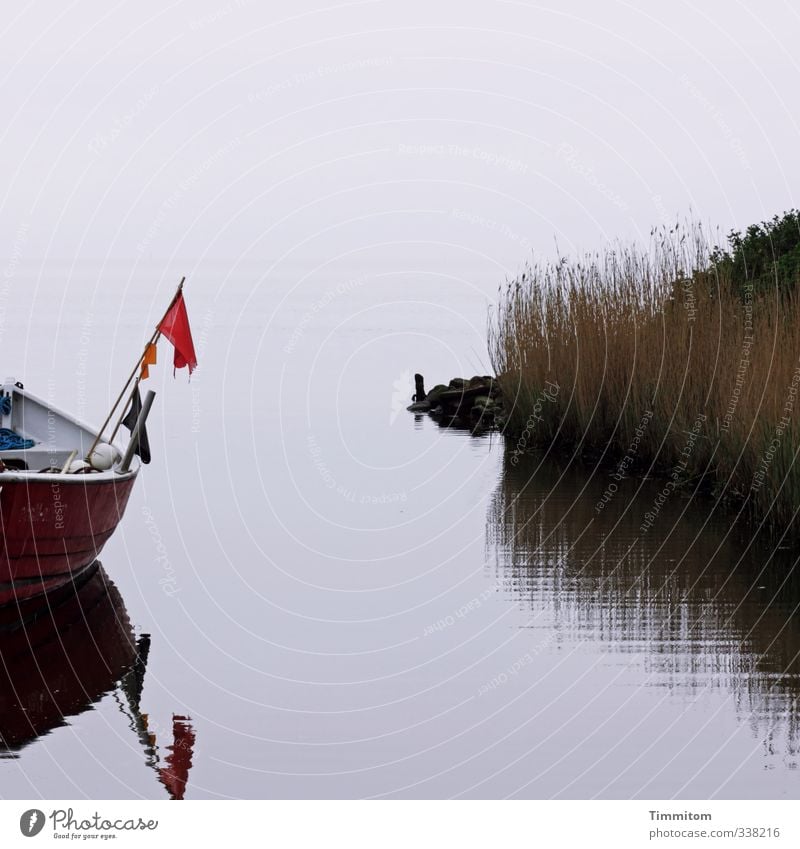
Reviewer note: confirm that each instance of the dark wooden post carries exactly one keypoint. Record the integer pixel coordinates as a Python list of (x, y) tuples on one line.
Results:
[(419, 395)]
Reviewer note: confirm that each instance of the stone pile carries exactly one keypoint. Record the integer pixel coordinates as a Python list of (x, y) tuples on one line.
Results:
[(476, 403)]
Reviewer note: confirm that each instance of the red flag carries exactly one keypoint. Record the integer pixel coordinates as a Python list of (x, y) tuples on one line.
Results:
[(175, 326)]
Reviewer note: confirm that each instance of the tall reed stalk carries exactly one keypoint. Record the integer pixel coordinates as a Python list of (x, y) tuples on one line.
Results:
[(657, 357)]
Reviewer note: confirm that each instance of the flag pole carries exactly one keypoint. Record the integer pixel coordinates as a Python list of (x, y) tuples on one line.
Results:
[(152, 340)]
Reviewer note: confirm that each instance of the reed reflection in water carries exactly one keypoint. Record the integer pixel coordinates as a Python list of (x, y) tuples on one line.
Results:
[(688, 606)]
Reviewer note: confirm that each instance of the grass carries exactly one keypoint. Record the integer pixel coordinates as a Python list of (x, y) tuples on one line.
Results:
[(660, 358)]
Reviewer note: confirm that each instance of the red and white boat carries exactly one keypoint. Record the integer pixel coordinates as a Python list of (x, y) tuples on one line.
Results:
[(56, 512), (62, 491)]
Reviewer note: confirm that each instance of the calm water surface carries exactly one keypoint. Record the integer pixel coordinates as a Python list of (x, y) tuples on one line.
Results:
[(329, 597)]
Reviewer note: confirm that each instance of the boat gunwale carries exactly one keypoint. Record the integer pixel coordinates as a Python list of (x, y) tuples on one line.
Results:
[(94, 477)]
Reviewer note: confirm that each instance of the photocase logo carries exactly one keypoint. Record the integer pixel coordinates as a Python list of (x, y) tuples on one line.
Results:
[(96, 825), (31, 822)]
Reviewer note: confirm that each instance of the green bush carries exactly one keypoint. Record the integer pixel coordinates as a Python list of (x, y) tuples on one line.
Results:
[(766, 257)]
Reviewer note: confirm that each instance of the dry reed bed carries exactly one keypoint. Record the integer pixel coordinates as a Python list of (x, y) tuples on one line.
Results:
[(658, 363)]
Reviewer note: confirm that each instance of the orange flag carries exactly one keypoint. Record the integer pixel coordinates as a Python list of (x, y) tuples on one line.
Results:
[(175, 326), (149, 359)]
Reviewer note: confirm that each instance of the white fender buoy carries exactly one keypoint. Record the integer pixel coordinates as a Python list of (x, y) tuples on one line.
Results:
[(103, 457), (78, 466)]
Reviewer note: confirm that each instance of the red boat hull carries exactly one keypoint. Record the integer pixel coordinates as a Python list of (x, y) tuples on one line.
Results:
[(52, 531)]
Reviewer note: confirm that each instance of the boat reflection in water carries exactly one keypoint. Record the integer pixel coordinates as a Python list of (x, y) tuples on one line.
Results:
[(62, 653), (688, 602)]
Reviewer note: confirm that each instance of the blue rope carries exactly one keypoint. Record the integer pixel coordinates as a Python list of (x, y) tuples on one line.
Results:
[(5, 405), (10, 441)]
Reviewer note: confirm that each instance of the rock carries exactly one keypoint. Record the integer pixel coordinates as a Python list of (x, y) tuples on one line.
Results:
[(461, 399), (481, 412), (435, 393), (476, 403)]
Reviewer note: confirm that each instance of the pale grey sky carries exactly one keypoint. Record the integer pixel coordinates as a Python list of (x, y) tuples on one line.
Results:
[(283, 135)]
